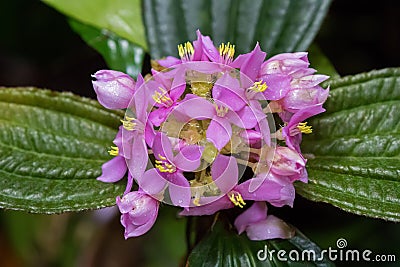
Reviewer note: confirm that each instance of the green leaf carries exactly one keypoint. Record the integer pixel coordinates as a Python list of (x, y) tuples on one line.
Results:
[(226, 248), (356, 146), (279, 25), (123, 17), (120, 54), (52, 146)]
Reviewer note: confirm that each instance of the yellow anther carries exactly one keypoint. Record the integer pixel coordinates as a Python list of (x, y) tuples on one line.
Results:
[(302, 126), (186, 51), (162, 97), (259, 86), (237, 199), (162, 157), (114, 151), (196, 201), (163, 165), (128, 123), (226, 50), (221, 111)]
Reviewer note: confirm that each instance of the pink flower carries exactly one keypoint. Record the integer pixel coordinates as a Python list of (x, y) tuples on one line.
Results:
[(165, 95), (292, 133), (138, 213), (169, 170)]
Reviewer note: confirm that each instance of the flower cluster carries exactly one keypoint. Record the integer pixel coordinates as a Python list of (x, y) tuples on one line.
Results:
[(198, 123)]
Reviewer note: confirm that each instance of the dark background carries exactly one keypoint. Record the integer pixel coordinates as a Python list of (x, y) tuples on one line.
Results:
[(37, 48)]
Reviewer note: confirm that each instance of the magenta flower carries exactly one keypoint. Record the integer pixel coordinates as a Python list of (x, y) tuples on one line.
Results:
[(169, 170), (292, 132), (259, 226), (137, 132), (114, 89), (138, 213), (164, 99)]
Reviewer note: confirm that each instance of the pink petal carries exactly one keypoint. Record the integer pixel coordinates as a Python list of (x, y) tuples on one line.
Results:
[(137, 164), (250, 63), (113, 170), (188, 158), (244, 118), (178, 84), (219, 132), (257, 212), (211, 207), (270, 228), (196, 107), (207, 46), (114, 89), (169, 61), (308, 81), (227, 90), (140, 100), (162, 146), (276, 193), (179, 190), (278, 86), (302, 98), (152, 182), (159, 115), (225, 173)]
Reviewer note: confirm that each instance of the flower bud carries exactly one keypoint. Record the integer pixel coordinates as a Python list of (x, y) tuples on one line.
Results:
[(139, 212), (114, 89), (287, 162)]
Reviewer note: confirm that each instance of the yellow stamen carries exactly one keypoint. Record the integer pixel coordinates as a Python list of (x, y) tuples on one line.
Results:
[(186, 51), (128, 123), (259, 86), (227, 51), (196, 201), (114, 151), (162, 157), (163, 165), (302, 126), (162, 97), (221, 111), (237, 199)]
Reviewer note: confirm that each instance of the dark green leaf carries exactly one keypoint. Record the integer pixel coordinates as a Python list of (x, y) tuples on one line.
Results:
[(119, 53), (356, 145), (279, 25), (52, 146), (226, 248), (123, 17)]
